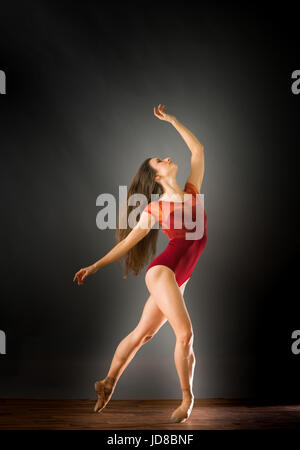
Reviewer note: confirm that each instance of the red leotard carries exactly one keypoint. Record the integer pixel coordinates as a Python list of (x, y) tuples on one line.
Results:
[(186, 242)]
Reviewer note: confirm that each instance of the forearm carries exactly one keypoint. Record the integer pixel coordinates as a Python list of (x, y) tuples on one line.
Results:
[(116, 253), (189, 138)]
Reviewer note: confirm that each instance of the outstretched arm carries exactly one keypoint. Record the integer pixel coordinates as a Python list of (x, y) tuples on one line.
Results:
[(123, 247), (140, 230), (196, 148)]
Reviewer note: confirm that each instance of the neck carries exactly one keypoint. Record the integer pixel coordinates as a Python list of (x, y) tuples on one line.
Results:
[(172, 189)]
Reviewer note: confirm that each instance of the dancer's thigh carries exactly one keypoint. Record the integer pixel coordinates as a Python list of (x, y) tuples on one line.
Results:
[(151, 320), (161, 283), (152, 317)]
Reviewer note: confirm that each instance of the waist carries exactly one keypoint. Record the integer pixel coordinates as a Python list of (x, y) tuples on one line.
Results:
[(189, 236), (184, 241)]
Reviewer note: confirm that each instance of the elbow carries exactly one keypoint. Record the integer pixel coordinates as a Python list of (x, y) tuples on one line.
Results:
[(134, 237), (198, 150)]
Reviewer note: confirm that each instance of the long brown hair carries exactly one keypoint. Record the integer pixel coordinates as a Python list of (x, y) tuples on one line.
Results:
[(136, 258)]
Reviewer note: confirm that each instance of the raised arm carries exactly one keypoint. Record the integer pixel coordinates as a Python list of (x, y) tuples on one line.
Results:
[(196, 148)]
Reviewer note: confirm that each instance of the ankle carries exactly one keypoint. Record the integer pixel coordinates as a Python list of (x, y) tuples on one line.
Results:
[(110, 380), (187, 393)]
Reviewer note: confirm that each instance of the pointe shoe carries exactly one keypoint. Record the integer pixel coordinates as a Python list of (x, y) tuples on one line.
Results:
[(104, 395), (183, 412)]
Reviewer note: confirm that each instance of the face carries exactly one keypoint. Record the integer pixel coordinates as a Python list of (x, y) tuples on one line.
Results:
[(164, 167)]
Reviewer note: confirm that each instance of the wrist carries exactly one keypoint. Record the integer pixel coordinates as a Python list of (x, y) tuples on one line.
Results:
[(94, 267), (173, 120)]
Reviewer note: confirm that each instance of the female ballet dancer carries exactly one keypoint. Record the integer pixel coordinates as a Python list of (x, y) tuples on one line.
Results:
[(168, 274)]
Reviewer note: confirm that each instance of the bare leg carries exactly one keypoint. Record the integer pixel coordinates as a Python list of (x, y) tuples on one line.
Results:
[(162, 285), (151, 320)]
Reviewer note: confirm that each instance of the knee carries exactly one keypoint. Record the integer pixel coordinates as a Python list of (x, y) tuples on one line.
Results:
[(147, 338), (142, 338), (186, 338)]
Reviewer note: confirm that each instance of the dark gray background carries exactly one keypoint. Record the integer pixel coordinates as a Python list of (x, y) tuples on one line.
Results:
[(77, 121)]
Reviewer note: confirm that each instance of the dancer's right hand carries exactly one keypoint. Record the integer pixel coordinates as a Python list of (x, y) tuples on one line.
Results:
[(162, 115), (81, 275)]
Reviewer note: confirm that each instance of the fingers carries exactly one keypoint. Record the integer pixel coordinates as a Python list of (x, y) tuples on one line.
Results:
[(76, 275), (160, 111), (156, 113), (79, 276), (84, 276), (80, 281)]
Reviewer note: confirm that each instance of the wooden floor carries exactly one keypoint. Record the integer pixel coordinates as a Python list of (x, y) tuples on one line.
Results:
[(207, 414)]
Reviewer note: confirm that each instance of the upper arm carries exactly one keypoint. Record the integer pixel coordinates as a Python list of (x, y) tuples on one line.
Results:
[(141, 229), (197, 169)]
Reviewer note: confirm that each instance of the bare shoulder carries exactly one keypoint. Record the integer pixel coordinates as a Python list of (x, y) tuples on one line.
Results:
[(147, 220)]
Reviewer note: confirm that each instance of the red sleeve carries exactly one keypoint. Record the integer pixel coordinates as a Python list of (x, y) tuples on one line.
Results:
[(190, 188)]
